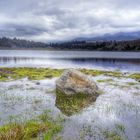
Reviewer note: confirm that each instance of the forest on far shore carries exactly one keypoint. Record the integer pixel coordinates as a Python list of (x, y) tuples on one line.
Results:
[(130, 45)]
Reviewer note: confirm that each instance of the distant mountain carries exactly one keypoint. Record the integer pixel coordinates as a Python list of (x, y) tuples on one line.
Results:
[(108, 37)]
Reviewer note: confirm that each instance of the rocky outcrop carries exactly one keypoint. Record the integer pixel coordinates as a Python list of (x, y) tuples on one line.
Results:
[(75, 90)]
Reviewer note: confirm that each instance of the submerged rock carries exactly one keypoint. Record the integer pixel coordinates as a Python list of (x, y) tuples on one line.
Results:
[(74, 91)]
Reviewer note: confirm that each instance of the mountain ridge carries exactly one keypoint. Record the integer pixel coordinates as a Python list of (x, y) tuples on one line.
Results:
[(121, 36)]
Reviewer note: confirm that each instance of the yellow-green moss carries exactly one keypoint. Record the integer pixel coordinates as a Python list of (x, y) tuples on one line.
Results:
[(100, 72), (135, 76), (42, 73), (31, 73), (105, 80), (131, 83)]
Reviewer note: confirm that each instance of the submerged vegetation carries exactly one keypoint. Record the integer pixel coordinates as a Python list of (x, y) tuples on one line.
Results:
[(71, 104), (42, 73), (112, 136)]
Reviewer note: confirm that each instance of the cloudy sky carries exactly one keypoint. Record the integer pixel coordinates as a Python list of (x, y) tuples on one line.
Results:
[(49, 20)]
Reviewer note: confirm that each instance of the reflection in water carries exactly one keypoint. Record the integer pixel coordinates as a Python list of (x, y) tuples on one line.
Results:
[(14, 60), (128, 65)]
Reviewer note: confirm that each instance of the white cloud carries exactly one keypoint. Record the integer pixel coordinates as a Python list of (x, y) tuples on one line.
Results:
[(48, 20)]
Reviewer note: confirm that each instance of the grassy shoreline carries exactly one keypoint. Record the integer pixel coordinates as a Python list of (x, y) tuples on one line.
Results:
[(7, 74)]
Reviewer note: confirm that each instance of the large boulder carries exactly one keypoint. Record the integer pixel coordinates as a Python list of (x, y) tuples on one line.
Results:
[(74, 91)]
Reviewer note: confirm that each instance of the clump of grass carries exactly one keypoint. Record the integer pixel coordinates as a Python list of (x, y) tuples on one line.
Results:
[(15, 131), (52, 131), (135, 76), (112, 135), (105, 80), (37, 101), (101, 72), (92, 72), (120, 127), (54, 126), (131, 83), (42, 127)]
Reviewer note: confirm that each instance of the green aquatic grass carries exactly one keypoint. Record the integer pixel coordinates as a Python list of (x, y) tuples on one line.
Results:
[(104, 80), (31, 130), (15, 131), (120, 127), (101, 72), (112, 136), (31, 73), (42, 73), (135, 76), (131, 83)]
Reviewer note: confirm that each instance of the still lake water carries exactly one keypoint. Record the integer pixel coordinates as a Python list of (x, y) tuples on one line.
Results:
[(126, 61)]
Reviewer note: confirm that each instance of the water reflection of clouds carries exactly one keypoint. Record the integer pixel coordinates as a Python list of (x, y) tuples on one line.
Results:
[(111, 64)]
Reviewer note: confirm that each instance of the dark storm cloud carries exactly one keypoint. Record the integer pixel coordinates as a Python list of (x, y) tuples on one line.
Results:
[(60, 19)]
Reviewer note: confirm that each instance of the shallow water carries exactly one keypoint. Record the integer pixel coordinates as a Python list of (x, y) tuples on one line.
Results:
[(119, 105), (25, 98), (124, 61), (117, 110)]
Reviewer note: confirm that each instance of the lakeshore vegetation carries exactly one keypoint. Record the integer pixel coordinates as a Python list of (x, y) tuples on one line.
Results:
[(43, 126), (7, 74)]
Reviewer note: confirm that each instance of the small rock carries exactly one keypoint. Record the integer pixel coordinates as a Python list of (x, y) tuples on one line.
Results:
[(37, 83)]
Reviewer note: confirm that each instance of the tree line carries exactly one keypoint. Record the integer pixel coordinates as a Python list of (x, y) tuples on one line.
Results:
[(131, 45), (20, 43)]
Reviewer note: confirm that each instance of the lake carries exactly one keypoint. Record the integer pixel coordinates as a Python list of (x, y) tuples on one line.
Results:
[(114, 115), (125, 61)]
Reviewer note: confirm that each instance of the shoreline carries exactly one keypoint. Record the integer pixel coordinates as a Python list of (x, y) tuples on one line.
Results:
[(51, 49), (14, 73)]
